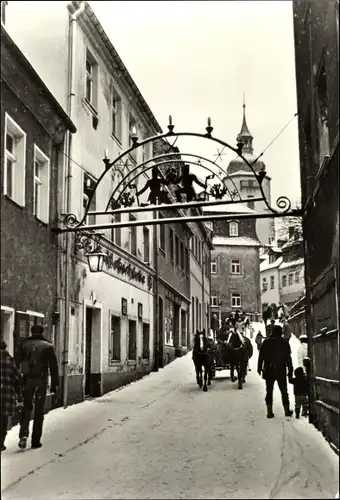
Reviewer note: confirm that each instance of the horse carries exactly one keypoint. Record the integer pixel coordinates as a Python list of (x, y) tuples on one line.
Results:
[(238, 353), (202, 358)]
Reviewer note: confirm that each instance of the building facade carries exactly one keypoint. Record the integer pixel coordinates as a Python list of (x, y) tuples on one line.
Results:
[(282, 274), (106, 319), (33, 131), (316, 33), (241, 177), (183, 254), (235, 265)]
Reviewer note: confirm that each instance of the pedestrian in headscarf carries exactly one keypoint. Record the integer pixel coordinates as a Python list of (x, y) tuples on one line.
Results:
[(11, 390)]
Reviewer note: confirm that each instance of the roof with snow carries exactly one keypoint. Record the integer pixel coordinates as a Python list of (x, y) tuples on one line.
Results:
[(292, 263), (230, 208), (265, 266), (242, 241)]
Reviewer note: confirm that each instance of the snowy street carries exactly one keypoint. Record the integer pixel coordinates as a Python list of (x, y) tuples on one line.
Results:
[(162, 437)]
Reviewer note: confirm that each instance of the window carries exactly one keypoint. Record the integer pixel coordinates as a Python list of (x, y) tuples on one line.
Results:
[(132, 353), (235, 300), (233, 229), (146, 244), (161, 235), (272, 258), (88, 190), (146, 341), (133, 236), (116, 233), (272, 282), (41, 193), (91, 70), (214, 300), (235, 266), (183, 328), (213, 266), (15, 161), (290, 279), (284, 280), (116, 114), (132, 132), (264, 285), (182, 264), (171, 243), (187, 261), (297, 276), (115, 338), (177, 250)]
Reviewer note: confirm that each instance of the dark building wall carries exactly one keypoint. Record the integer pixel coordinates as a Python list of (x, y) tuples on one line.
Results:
[(28, 247), (316, 32), (246, 228)]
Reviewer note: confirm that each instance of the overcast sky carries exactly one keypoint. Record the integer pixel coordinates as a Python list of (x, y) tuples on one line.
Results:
[(194, 59)]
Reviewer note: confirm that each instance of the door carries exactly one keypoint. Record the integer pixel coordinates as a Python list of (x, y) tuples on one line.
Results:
[(88, 350)]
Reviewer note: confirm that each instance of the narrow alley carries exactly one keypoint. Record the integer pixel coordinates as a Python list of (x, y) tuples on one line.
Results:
[(162, 437)]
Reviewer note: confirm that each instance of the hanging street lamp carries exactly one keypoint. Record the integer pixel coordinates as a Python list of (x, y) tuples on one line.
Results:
[(95, 260)]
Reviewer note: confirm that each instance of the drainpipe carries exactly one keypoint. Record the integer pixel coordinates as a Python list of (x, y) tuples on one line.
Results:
[(71, 86)]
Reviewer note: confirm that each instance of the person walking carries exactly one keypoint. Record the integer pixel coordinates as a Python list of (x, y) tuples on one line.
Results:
[(273, 362), (300, 384), (286, 330), (303, 349), (259, 339), (11, 390), (38, 360)]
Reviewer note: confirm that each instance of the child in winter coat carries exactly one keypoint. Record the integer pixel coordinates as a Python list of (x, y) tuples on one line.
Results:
[(300, 383)]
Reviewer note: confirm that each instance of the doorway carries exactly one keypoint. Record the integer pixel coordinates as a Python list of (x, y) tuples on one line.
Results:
[(88, 349), (160, 332)]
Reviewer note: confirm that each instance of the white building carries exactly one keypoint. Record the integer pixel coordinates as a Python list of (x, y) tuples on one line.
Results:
[(109, 327), (282, 274)]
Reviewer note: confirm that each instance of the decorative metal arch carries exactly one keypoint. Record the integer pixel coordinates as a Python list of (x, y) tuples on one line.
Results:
[(126, 200)]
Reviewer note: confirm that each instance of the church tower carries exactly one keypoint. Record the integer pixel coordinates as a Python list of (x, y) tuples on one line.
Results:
[(243, 178)]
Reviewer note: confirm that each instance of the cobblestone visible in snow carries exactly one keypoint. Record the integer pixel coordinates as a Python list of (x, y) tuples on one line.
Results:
[(162, 437)]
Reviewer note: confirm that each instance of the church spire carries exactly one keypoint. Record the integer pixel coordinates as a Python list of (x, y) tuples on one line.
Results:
[(245, 136)]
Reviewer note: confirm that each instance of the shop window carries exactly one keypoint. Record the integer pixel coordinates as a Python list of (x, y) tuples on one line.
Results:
[(146, 341), (132, 353), (184, 327), (115, 334)]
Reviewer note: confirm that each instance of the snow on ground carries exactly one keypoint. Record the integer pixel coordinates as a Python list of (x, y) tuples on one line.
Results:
[(162, 437)]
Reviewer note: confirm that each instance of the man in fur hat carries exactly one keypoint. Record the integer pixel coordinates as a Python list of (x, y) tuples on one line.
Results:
[(273, 364), (38, 360)]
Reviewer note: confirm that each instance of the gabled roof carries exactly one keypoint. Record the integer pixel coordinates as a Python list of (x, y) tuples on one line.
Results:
[(265, 266), (230, 208), (240, 241), (298, 262)]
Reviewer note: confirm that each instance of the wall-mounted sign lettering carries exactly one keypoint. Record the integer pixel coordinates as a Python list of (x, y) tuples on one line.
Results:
[(140, 310), (124, 306), (132, 272)]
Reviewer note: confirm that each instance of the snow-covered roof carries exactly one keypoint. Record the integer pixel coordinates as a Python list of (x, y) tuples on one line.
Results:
[(244, 174), (242, 241), (286, 265), (264, 266), (276, 249), (292, 241), (230, 208)]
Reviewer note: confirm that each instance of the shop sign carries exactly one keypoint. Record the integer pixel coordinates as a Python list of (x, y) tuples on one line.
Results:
[(127, 269), (124, 306)]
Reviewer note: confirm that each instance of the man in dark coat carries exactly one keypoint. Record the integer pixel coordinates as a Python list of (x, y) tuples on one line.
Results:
[(38, 359), (273, 363), (11, 390)]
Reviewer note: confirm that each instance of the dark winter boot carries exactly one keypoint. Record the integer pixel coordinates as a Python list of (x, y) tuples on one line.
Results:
[(270, 413), (288, 412), (297, 413)]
